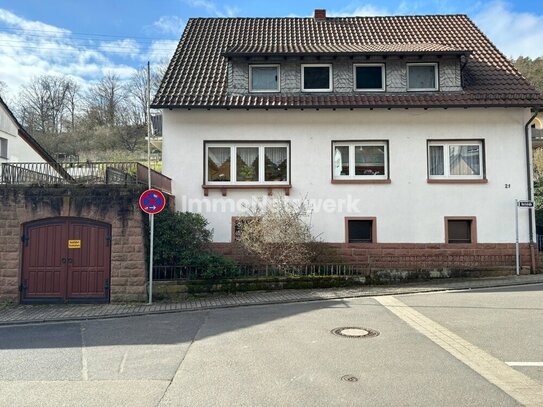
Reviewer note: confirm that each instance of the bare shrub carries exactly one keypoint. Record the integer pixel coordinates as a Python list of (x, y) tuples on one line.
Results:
[(278, 233)]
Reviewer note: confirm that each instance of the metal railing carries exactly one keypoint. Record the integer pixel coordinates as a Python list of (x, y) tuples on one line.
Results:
[(81, 173), (256, 271), (540, 243), (363, 268)]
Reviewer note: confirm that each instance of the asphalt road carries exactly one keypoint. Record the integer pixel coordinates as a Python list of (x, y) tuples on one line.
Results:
[(444, 349)]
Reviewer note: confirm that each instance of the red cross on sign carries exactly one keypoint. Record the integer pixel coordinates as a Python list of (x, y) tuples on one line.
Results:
[(152, 201)]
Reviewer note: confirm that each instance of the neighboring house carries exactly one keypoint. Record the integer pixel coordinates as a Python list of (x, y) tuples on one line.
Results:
[(18, 146), (409, 134)]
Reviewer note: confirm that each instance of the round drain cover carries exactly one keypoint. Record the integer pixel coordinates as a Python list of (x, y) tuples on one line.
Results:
[(349, 378), (355, 332)]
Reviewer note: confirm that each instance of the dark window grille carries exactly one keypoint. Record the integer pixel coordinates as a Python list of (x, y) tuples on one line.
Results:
[(360, 231), (459, 231)]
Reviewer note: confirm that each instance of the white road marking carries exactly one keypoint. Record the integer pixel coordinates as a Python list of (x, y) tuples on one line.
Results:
[(84, 360), (525, 364), (123, 361), (519, 386)]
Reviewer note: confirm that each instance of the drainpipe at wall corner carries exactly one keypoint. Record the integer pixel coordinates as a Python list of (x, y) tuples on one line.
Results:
[(528, 140)]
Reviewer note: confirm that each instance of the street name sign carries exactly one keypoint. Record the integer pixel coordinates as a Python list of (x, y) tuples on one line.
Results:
[(526, 204)]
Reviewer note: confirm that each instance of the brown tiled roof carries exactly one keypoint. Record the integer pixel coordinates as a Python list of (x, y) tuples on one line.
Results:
[(349, 49), (197, 76)]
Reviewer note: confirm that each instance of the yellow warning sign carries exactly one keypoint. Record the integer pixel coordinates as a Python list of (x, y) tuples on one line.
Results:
[(74, 244)]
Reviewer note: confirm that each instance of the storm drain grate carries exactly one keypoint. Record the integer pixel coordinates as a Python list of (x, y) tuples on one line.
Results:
[(349, 378), (354, 332)]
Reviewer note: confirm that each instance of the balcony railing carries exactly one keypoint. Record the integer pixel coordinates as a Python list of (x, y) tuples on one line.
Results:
[(82, 173)]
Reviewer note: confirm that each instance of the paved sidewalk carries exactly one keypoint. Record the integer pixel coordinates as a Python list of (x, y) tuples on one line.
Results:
[(29, 314)]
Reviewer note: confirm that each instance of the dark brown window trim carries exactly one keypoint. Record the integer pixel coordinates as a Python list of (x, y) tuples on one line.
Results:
[(361, 181), (457, 181), (473, 220), (373, 228), (224, 188)]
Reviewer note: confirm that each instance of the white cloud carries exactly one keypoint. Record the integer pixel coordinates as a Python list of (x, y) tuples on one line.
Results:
[(160, 52), (167, 25), (17, 22), (126, 47), (515, 34), (32, 48), (362, 11), (213, 9)]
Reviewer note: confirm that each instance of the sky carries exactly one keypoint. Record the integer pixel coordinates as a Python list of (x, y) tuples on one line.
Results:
[(85, 39)]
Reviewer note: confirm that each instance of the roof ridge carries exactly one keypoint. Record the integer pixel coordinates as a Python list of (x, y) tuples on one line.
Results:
[(330, 17)]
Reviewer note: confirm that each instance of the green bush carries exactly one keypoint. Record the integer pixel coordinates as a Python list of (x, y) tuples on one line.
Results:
[(179, 237), (182, 238)]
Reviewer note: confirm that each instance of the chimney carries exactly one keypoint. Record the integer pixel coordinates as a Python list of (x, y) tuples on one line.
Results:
[(320, 14)]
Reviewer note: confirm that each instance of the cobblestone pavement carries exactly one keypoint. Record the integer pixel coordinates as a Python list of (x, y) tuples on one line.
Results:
[(29, 314)]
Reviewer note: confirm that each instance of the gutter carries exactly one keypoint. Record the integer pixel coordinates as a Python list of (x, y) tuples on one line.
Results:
[(529, 182)]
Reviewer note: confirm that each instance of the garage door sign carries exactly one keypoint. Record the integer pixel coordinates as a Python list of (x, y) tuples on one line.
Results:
[(152, 201), (74, 244)]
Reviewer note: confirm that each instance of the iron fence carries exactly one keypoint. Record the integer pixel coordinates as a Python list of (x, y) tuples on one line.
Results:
[(81, 173), (373, 263)]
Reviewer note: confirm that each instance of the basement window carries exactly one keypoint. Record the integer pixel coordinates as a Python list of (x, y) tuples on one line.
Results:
[(460, 230), (360, 230)]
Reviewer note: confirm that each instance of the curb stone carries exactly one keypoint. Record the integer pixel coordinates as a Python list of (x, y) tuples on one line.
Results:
[(40, 314)]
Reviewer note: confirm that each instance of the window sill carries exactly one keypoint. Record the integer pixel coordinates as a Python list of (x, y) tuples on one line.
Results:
[(224, 188), (457, 181), (361, 181)]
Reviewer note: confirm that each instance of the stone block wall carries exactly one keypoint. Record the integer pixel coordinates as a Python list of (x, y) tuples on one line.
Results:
[(115, 205), (413, 256)]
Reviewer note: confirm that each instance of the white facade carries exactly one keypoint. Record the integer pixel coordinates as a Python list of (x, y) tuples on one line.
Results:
[(409, 209), (18, 149)]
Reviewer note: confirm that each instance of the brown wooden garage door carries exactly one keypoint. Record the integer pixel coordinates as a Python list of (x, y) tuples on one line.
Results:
[(66, 260)]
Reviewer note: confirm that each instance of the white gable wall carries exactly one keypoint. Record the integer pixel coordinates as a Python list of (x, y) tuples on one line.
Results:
[(408, 210), (18, 149)]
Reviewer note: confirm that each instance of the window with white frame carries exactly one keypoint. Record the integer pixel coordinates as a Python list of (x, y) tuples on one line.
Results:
[(369, 77), (422, 76), (3, 148), (360, 160), (264, 78), (455, 159), (316, 77), (247, 163)]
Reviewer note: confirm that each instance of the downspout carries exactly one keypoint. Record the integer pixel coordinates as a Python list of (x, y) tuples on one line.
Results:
[(529, 183)]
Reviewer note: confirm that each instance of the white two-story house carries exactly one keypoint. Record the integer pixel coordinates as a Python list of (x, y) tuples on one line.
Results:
[(409, 135)]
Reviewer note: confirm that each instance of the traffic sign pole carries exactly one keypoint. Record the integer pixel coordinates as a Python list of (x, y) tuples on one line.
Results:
[(517, 252), (522, 204), (152, 202), (152, 227)]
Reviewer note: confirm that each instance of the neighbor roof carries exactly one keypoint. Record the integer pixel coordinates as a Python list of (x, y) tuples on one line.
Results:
[(31, 141), (197, 76)]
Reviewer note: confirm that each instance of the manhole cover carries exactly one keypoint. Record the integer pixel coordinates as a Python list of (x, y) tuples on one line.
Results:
[(354, 332), (349, 378)]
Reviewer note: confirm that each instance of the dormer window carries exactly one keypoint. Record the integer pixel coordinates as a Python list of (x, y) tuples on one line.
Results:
[(316, 77), (264, 78), (421, 77), (369, 77)]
